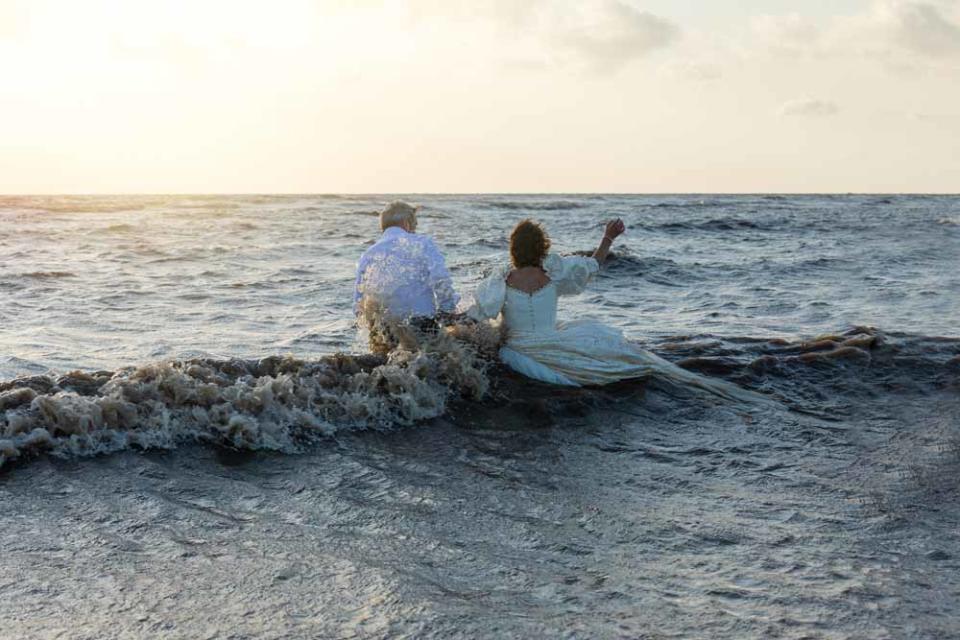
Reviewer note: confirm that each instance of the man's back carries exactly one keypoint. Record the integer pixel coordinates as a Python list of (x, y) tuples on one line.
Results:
[(404, 273)]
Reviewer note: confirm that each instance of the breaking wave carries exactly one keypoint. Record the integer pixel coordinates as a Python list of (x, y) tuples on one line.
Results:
[(275, 403), (284, 404)]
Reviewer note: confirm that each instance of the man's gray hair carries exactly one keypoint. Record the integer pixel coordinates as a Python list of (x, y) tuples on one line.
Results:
[(396, 214)]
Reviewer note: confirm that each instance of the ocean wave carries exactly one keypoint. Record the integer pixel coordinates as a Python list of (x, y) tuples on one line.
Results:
[(716, 224), (860, 362), (690, 204), (84, 204), (520, 205), (284, 404), (426, 214), (120, 228), (274, 404), (215, 205), (654, 269), (46, 275), (670, 272), (811, 265)]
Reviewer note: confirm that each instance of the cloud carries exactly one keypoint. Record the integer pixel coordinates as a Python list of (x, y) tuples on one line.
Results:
[(901, 35), (599, 34), (810, 108), (790, 34), (920, 27), (612, 33)]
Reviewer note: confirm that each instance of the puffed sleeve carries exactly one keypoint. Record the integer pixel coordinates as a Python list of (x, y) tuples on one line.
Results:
[(489, 296), (571, 274)]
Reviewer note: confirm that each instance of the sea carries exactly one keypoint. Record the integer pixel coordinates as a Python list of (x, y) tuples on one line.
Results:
[(195, 443)]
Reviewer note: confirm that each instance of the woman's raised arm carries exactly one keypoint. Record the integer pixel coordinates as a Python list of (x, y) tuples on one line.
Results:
[(613, 229)]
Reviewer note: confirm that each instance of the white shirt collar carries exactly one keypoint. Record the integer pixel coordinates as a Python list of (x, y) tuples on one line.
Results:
[(390, 232)]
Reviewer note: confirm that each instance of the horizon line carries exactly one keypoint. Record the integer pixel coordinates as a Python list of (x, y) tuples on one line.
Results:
[(474, 193)]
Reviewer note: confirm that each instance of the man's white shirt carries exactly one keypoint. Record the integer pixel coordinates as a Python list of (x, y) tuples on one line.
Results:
[(406, 274)]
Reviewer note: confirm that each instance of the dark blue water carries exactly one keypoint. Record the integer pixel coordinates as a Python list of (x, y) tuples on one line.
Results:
[(208, 469)]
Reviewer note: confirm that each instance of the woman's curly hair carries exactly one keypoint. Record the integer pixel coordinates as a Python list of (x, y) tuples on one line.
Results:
[(529, 244)]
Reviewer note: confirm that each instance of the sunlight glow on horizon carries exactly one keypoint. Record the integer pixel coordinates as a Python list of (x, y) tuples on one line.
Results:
[(309, 96)]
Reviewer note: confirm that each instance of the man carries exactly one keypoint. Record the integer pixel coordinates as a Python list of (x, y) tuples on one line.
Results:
[(402, 278)]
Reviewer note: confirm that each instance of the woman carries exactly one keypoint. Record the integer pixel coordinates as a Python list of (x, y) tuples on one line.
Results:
[(568, 353)]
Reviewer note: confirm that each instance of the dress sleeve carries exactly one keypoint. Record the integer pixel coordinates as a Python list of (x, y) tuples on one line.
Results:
[(570, 274), (489, 297)]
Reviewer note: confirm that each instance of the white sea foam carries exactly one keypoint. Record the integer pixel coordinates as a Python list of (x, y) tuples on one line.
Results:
[(274, 404)]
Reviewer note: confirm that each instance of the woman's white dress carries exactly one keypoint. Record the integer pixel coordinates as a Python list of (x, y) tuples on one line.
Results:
[(577, 353)]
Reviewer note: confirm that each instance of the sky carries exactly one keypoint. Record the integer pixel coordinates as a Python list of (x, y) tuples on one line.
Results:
[(365, 96)]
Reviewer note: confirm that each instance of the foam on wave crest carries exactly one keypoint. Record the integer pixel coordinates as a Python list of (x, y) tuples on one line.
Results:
[(284, 403), (273, 404)]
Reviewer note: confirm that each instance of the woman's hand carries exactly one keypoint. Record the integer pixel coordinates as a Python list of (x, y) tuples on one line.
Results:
[(614, 229)]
